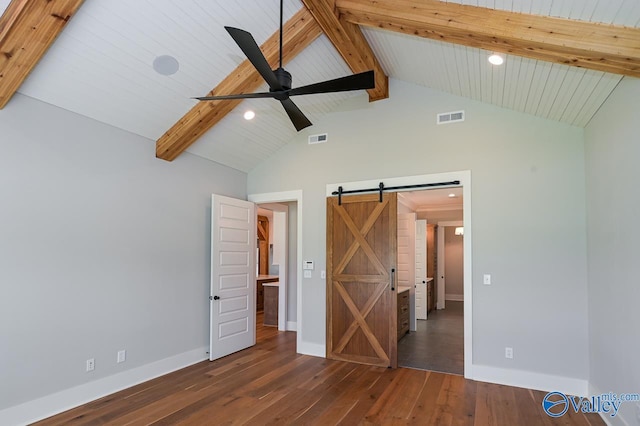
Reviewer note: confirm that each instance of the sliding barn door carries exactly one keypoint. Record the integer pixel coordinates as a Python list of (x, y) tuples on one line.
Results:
[(361, 287)]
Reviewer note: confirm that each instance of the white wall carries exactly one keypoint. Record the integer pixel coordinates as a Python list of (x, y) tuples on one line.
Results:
[(613, 202), (103, 247), (529, 226), (453, 263)]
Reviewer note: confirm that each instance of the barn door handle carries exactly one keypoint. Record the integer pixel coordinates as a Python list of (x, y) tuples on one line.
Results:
[(393, 278)]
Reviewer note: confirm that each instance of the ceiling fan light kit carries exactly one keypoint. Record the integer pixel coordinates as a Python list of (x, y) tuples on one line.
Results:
[(280, 81)]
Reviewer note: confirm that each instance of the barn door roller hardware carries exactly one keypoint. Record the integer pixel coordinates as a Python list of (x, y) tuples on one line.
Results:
[(340, 192)]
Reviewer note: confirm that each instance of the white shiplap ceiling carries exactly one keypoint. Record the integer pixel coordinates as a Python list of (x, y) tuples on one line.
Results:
[(101, 67)]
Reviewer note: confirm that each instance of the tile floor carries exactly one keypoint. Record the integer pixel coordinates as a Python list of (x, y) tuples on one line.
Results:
[(438, 343)]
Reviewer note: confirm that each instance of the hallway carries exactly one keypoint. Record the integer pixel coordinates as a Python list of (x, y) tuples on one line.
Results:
[(438, 342)]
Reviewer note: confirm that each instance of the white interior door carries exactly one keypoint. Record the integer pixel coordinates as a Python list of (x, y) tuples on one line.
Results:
[(421, 269), (406, 261), (233, 276)]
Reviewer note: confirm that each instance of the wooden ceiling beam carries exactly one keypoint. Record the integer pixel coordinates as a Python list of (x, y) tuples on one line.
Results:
[(351, 44), (298, 33), (608, 48), (27, 29)]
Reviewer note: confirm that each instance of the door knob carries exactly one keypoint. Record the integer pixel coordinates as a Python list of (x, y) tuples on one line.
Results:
[(216, 297), (424, 282)]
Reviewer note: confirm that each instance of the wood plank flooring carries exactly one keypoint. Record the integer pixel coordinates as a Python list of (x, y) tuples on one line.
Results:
[(270, 384)]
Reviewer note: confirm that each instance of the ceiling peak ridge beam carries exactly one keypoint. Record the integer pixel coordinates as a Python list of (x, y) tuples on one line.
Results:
[(298, 33), (601, 47), (27, 29), (349, 41)]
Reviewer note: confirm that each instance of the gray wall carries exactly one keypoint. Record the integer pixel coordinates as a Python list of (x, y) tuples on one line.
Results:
[(453, 262), (613, 202), (529, 225), (102, 248)]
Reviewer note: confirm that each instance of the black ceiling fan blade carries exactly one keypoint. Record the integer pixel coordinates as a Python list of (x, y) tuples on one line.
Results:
[(363, 80), (299, 120), (239, 96), (248, 45)]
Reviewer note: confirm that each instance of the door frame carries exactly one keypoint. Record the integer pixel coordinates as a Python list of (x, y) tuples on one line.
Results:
[(464, 177), (286, 197)]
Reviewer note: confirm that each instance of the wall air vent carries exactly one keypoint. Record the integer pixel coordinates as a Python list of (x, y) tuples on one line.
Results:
[(321, 138), (450, 117)]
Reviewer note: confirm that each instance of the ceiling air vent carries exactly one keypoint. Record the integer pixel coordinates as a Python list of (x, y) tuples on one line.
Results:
[(321, 138), (450, 117)]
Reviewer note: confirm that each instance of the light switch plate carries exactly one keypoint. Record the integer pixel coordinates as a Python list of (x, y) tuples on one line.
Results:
[(323, 275), (487, 279), (307, 274)]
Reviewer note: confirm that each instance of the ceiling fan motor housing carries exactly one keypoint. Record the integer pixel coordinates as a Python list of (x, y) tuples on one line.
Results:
[(284, 78)]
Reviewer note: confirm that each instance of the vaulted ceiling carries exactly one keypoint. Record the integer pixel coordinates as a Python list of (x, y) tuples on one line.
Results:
[(563, 59)]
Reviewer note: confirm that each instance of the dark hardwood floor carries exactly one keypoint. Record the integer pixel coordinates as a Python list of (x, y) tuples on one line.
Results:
[(270, 384), (438, 342)]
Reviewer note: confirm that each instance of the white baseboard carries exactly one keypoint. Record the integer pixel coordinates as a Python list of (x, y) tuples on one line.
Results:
[(313, 349), (292, 326), (530, 380), (58, 402), (618, 420), (454, 297)]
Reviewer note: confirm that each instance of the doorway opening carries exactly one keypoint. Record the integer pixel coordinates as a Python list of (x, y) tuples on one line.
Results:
[(290, 314), (431, 267), (464, 180), (276, 250)]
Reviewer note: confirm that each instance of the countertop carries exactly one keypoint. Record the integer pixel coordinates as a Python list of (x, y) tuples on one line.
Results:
[(267, 278), (271, 284), (403, 288)]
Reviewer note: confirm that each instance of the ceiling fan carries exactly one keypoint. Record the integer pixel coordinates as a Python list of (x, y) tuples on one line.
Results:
[(279, 80)]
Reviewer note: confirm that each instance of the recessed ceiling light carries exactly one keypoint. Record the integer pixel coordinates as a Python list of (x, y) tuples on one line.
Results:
[(249, 115), (452, 195), (166, 65), (496, 59)]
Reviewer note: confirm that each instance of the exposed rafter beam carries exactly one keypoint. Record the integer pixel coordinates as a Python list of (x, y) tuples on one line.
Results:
[(27, 29), (298, 33), (600, 47), (351, 44)]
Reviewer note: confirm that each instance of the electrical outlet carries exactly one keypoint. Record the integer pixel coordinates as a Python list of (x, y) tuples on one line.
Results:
[(122, 356), (508, 352), (91, 364)]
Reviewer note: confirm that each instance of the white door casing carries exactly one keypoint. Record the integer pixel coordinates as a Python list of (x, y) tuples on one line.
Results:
[(233, 281), (421, 269)]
